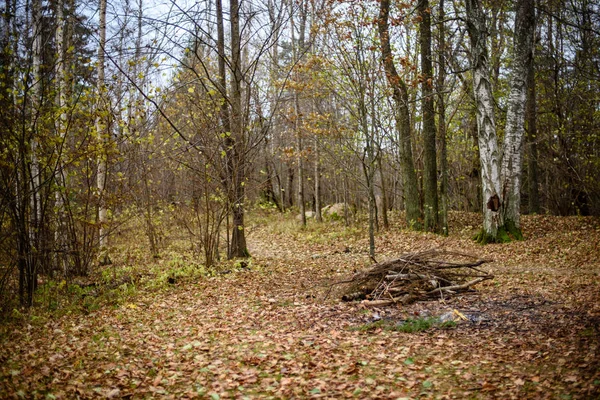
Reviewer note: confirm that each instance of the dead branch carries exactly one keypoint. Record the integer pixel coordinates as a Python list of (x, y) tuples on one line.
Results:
[(411, 277)]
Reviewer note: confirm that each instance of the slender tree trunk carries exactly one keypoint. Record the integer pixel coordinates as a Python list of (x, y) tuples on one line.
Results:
[(400, 95), (300, 150), (532, 152), (384, 194), (274, 128), (238, 236), (101, 127), (368, 164), (35, 228), (441, 82), (289, 187), (318, 216), (512, 160), (429, 132), (297, 50), (60, 235), (228, 142)]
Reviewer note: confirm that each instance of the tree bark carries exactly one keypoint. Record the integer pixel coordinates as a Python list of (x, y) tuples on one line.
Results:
[(429, 132), (501, 179), (512, 160), (486, 124), (443, 214), (101, 127), (318, 216), (532, 151), (384, 194), (238, 235), (62, 40), (400, 95), (224, 115), (297, 50)]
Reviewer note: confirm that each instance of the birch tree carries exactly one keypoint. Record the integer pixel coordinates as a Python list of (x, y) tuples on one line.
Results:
[(500, 173), (512, 160)]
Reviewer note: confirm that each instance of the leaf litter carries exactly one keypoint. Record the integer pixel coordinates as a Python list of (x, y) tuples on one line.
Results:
[(533, 333)]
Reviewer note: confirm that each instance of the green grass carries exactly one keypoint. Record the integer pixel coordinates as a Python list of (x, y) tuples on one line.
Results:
[(408, 326)]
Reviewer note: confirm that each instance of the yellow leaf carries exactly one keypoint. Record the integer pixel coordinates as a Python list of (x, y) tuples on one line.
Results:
[(191, 89)]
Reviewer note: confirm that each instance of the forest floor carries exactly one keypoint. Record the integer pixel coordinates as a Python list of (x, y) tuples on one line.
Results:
[(267, 331)]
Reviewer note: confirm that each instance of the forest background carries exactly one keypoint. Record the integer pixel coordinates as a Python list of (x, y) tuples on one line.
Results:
[(190, 115), (182, 185)]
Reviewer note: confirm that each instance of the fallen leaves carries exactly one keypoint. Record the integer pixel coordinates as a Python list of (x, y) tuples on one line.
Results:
[(266, 333)]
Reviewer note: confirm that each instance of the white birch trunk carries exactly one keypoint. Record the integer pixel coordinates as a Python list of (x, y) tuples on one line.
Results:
[(486, 125), (512, 159)]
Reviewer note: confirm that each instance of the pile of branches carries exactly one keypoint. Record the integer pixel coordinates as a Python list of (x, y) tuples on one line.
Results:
[(417, 276)]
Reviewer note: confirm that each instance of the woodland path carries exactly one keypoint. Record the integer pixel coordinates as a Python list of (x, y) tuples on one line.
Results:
[(266, 332)]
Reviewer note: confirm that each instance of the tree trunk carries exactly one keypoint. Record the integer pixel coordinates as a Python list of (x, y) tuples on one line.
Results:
[(318, 216), (501, 188), (512, 163), (60, 235), (101, 127), (400, 95), (486, 124), (532, 152), (275, 185), (384, 194), (35, 227), (429, 132), (443, 215), (297, 50), (289, 187), (238, 235), (224, 115)]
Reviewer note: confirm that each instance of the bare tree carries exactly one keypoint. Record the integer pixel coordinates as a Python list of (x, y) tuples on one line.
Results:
[(401, 99), (101, 126), (427, 109)]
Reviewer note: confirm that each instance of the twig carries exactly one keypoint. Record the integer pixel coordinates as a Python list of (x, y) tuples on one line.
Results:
[(459, 287)]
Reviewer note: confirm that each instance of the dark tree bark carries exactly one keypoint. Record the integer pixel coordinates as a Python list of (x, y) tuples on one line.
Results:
[(443, 214), (238, 234), (429, 132), (532, 151), (400, 95)]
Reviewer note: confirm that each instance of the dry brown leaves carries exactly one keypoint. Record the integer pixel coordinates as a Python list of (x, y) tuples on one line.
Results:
[(266, 333)]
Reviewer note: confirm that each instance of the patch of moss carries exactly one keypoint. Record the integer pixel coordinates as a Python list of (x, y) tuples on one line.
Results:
[(512, 230), (368, 327), (483, 237), (416, 325)]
